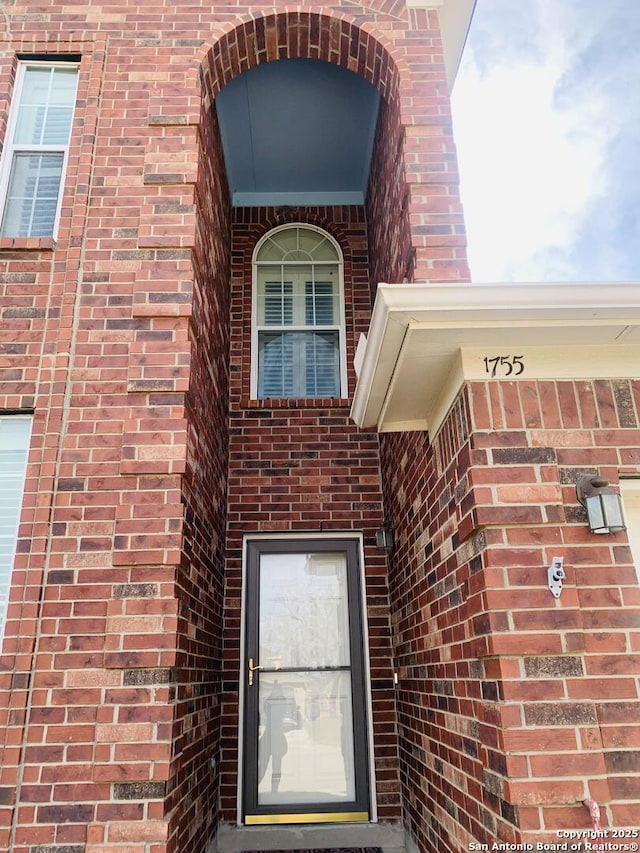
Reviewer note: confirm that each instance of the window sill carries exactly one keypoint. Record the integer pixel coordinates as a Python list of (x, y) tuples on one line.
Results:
[(27, 244), (296, 403)]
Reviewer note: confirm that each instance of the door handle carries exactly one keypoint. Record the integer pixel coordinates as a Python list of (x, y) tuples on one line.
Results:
[(252, 669)]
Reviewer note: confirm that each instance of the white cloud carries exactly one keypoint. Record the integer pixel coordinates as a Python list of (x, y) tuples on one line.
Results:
[(539, 107)]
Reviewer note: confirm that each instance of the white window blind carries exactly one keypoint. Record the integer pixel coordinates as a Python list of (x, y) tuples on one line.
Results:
[(36, 152), (15, 433)]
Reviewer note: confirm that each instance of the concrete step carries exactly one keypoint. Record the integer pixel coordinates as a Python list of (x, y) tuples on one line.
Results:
[(240, 839)]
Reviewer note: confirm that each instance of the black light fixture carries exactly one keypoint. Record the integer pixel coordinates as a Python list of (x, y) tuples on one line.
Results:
[(385, 538), (603, 505)]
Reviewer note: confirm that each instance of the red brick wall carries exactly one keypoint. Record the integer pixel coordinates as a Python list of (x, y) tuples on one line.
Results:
[(108, 680), (413, 205), (194, 785), (304, 466), (514, 707), (388, 203), (435, 211)]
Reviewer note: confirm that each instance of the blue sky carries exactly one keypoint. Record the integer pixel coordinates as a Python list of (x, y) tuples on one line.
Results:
[(547, 123)]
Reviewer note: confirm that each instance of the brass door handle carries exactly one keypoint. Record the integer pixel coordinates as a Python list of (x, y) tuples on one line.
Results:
[(252, 669)]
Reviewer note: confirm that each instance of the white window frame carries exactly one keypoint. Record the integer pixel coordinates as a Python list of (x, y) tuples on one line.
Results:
[(11, 148), (630, 494), (340, 326), (11, 516)]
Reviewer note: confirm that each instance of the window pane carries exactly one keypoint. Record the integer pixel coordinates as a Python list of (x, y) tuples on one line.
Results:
[(270, 251), (325, 251), (32, 197), (46, 106), (306, 751), (319, 303), (278, 303), (304, 616), (305, 747), (14, 444), (275, 365), (298, 364), (297, 255), (286, 240), (322, 373), (316, 245)]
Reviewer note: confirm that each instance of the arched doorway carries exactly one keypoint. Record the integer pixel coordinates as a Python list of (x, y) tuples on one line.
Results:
[(319, 77)]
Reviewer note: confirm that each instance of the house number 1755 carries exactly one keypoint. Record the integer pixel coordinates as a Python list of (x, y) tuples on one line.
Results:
[(504, 365)]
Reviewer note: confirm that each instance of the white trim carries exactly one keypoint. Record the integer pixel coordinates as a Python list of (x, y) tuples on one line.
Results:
[(11, 149), (22, 471), (630, 493), (426, 340), (339, 262), (351, 535)]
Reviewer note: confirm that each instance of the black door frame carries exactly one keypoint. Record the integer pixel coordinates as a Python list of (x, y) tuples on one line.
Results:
[(360, 809)]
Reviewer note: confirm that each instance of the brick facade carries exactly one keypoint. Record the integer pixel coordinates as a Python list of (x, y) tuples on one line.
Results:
[(514, 707), (128, 338), (305, 468)]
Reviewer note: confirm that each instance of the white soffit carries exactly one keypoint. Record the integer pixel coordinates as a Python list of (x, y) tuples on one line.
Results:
[(426, 340)]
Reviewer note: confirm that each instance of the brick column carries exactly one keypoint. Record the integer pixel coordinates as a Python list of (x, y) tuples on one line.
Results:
[(514, 706)]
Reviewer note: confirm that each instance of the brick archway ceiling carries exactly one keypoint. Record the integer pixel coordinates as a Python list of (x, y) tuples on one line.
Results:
[(297, 96)]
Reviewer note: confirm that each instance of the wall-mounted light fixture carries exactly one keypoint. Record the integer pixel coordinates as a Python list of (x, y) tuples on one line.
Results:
[(603, 505), (385, 537)]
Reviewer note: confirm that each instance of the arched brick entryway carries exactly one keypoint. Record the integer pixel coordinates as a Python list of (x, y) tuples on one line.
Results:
[(302, 35), (403, 197), (340, 40), (413, 208)]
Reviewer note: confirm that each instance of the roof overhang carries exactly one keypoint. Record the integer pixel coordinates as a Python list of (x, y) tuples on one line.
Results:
[(426, 340), (455, 20)]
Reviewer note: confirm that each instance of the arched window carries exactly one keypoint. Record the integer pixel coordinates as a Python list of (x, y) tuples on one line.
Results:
[(298, 315)]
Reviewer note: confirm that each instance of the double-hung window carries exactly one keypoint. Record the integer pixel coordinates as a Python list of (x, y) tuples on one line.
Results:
[(15, 434), (36, 150), (298, 342)]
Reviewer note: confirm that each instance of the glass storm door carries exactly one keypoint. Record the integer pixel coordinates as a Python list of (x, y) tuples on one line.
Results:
[(305, 731)]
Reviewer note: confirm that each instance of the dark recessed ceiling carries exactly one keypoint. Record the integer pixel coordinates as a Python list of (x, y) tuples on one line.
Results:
[(297, 132)]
